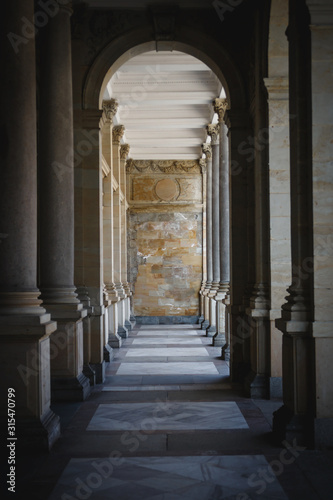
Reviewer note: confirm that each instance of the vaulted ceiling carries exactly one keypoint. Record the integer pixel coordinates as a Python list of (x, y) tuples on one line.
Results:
[(165, 102)]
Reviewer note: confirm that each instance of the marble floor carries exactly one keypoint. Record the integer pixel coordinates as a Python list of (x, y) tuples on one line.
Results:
[(167, 424), (168, 416)]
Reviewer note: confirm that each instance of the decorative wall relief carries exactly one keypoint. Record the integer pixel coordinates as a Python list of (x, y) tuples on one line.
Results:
[(166, 181)]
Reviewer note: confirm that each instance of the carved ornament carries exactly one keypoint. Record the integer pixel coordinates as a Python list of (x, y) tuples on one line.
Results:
[(207, 150), (124, 151), (220, 107), (213, 131), (110, 108), (117, 133), (163, 166)]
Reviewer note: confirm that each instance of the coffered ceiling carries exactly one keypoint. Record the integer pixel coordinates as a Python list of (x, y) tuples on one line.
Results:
[(165, 102)]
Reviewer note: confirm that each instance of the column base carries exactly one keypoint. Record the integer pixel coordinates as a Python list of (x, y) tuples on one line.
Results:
[(70, 389), (133, 320), (123, 332), (205, 324), (114, 340), (108, 353), (99, 369), (225, 353), (275, 388), (201, 320), (256, 386), (128, 325), (292, 428), (219, 340), (90, 374), (38, 435), (211, 330), (323, 433)]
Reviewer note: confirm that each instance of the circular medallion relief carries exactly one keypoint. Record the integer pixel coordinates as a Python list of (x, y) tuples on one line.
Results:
[(167, 189)]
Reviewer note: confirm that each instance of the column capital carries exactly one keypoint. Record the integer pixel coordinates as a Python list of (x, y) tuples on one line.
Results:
[(203, 165), (124, 151), (66, 6), (321, 12), (207, 150), (110, 108), (213, 131), (220, 107), (118, 132)]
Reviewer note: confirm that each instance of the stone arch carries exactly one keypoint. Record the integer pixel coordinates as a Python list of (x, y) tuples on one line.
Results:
[(138, 41)]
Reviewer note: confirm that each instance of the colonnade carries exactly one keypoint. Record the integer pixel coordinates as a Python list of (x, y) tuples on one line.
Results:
[(215, 292), (64, 291)]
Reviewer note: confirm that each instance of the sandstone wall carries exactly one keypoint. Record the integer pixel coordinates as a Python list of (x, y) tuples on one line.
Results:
[(165, 237)]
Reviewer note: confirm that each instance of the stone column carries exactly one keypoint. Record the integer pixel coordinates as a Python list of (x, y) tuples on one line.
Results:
[(280, 247), (124, 152), (237, 121), (109, 110), (25, 327), (222, 296), (118, 198), (89, 231), (277, 85), (306, 322), (207, 150), (257, 379), (203, 166), (56, 180), (213, 132), (321, 26)]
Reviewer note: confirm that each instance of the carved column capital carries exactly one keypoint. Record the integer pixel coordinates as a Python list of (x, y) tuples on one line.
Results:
[(220, 107), (110, 108), (213, 131), (124, 151), (203, 165), (66, 7), (117, 133), (207, 150)]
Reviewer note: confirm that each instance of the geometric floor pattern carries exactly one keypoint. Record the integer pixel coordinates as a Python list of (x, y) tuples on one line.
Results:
[(168, 416), (168, 478)]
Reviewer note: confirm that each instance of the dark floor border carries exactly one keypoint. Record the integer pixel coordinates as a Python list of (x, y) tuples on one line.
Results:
[(166, 320)]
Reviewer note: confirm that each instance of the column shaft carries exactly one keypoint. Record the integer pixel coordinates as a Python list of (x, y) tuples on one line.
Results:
[(56, 182), (24, 326), (222, 297), (213, 131), (209, 233)]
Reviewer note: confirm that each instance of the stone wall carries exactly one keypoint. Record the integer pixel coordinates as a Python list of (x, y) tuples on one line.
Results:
[(165, 238)]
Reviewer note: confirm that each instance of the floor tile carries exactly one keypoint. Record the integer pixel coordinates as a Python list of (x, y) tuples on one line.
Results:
[(167, 351), (164, 341), (189, 368), (167, 416), (168, 478)]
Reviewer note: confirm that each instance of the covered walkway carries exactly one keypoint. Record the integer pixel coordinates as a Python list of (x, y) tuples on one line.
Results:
[(167, 424)]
